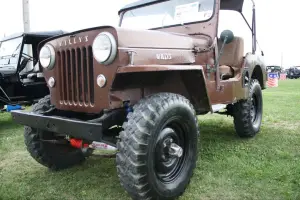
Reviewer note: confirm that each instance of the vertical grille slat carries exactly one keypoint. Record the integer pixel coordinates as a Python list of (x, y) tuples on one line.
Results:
[(74, 70), (83, 63), (88, 61), (85, 78), (77, 76), (78, 60), (71, 76), (59, 60), (91, 74), (64, 77), (68, 69), (80, 78)]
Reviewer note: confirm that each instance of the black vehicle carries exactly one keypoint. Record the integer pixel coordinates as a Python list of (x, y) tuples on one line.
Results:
[(21, 79), (293, 72)]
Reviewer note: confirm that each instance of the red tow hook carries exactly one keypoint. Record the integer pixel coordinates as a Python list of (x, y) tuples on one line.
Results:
[(78, 143)]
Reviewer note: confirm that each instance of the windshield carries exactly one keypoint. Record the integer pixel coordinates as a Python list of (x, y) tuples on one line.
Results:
[(9, 47), (168, 13)]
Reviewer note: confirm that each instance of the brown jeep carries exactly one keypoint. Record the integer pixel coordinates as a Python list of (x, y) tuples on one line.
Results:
[(140, 86)]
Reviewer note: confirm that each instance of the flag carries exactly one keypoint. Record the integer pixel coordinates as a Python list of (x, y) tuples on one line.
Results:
[(282, 77)]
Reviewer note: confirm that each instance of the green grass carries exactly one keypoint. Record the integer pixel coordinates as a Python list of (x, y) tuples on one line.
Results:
[(265, 167)]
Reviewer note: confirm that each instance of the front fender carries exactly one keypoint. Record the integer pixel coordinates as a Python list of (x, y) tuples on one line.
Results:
[(133, 83)]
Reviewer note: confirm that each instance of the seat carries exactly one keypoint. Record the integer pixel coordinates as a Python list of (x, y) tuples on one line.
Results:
[(31, 73), (226, 72), (232, 58)]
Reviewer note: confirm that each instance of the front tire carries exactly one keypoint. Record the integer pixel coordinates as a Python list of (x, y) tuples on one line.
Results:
[(158, 147), (247, 113), (51, 155)]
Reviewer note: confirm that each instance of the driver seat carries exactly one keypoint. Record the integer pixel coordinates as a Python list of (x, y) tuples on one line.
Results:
[(232, 58)]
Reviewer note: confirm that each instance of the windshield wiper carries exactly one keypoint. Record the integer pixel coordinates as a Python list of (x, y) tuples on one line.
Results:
[(14, 54), (18, 46)]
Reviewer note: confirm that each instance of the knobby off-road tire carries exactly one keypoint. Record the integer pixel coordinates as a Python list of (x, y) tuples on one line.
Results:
[(53, 156), (247, 113), (146, 168)]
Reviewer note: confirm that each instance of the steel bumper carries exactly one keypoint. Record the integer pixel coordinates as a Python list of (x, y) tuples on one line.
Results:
[(75, 128)]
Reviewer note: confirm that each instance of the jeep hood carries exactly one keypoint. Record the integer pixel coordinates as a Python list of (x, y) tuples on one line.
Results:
[(128, 38)]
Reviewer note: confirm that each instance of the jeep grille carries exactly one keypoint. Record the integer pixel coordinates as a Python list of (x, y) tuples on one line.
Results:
[(76, 76)]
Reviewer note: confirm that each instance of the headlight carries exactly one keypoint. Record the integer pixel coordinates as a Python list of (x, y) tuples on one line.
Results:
[(105, 48), (47, 56)]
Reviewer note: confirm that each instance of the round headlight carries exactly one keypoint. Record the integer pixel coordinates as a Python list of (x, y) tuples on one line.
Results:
[(105, 48), (47, 56)]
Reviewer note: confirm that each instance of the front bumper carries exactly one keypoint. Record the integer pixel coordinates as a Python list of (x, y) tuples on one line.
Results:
[(76, 128)]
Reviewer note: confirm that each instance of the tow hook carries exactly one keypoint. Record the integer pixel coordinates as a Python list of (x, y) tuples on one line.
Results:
[(77, 143)]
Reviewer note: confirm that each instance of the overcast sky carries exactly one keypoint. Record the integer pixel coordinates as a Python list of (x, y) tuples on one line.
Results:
[(276, 32)]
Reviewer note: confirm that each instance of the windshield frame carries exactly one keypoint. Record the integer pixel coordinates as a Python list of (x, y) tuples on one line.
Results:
[(169, 26), (17, 56), (20, 46)]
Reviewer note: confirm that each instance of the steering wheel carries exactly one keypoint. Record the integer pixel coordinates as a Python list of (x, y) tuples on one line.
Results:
[(31, 58), (28, 56)]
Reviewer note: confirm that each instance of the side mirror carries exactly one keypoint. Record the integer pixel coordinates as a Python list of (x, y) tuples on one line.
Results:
[(227, 36)]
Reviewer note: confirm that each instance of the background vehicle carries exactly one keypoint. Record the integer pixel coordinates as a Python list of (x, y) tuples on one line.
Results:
[(21, 79), (293, 72), (275, 69), (140, 91)]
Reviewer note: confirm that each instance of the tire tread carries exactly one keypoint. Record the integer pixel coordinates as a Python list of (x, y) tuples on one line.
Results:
[(133, 143), (241, 114)]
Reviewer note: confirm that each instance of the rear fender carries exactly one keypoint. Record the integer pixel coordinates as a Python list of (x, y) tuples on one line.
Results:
[(133, 83), (256, 68)]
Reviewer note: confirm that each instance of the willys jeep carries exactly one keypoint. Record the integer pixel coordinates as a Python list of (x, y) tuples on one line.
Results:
[(140, 86), (21, 79)]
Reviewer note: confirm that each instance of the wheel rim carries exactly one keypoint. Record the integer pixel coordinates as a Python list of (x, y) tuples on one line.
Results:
[(170, 151), (254, 108)]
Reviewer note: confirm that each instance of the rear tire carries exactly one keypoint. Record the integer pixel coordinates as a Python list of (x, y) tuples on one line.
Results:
[(146, 165), (53, 156), (247, 113)]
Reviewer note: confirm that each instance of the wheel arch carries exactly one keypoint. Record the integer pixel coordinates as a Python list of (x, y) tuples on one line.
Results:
[(258, 74)]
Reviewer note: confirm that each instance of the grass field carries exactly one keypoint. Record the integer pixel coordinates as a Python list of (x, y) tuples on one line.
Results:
[(265, 167)]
